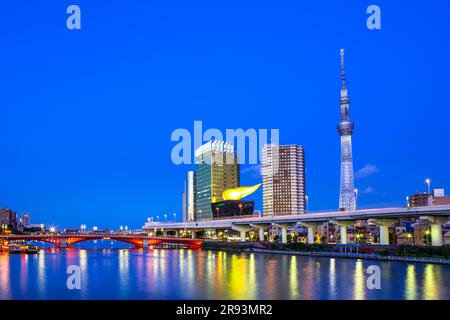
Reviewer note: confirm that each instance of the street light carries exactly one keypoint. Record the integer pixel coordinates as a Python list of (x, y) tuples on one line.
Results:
[(306, 198), (165, 217), (428, 182), (427, 234), (407, 202), (174, 216), (356, 197), (409, 235)]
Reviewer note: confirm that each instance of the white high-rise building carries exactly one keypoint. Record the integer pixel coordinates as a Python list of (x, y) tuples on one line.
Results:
[(283, 174), (189, 197)]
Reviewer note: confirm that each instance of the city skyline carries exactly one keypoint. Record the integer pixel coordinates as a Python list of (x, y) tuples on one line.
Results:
[(95, 147), (200, 158)]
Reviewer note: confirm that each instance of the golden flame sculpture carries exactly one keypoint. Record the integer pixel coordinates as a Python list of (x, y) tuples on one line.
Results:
[(239, 193)]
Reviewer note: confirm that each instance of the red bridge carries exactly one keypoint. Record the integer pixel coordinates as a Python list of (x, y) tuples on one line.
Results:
[(65, 240)]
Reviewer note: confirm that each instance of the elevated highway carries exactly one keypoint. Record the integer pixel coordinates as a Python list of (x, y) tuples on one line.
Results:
[(436, 216)]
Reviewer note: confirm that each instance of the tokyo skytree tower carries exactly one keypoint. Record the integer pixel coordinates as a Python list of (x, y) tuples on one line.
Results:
[(347, 199)]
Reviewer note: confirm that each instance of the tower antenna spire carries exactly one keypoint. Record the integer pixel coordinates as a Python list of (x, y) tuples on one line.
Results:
[(347, 197), (344, 85)]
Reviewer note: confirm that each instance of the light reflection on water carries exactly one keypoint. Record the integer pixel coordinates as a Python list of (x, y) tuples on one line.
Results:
[(359, 282), (189, 274)]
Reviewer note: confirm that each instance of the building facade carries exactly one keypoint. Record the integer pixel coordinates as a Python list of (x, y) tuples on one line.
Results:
[(283, 174), (421, 200), (189, 197), (25, 219), (8, 219), (232, 208), (217, 169), (437, 198), (422, 234), (347, 197)]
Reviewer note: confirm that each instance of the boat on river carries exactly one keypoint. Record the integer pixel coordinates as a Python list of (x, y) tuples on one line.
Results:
[(31, 249), (15, 248)]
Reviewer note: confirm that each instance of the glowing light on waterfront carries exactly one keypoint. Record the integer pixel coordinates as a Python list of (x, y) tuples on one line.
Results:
[(253, 283), (332, 275), (359, 282), (210, 268), (293, 279), (23, 273), (83, 263), (219, 272), (182, 263), (240, 284), (430, 289), (124, 269), (41, 272), (190, 265), (5, 289), (411, 283)]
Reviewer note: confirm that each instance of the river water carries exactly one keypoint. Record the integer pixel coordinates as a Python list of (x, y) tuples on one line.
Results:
[(123, 273)]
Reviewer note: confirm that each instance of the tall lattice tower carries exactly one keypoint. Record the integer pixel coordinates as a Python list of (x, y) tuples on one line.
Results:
[(345, 127)]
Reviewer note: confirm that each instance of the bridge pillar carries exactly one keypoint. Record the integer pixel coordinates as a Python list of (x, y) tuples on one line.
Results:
[(177, 233), (260, 228), (343, 229), (243, 229), (384, 235), (436, 228), (193, 234), (384, 225), (436, 235), (310, 226), (145, 243), (283, 227), (261, 234), (63, 243)]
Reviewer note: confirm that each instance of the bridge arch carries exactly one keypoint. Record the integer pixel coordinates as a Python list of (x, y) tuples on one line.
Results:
[(137, 241)]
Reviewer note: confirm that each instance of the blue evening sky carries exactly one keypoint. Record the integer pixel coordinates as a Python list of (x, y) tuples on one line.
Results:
[(87, 115)]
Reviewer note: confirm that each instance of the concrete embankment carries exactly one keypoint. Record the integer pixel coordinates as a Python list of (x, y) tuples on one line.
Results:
[(415, 254)]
